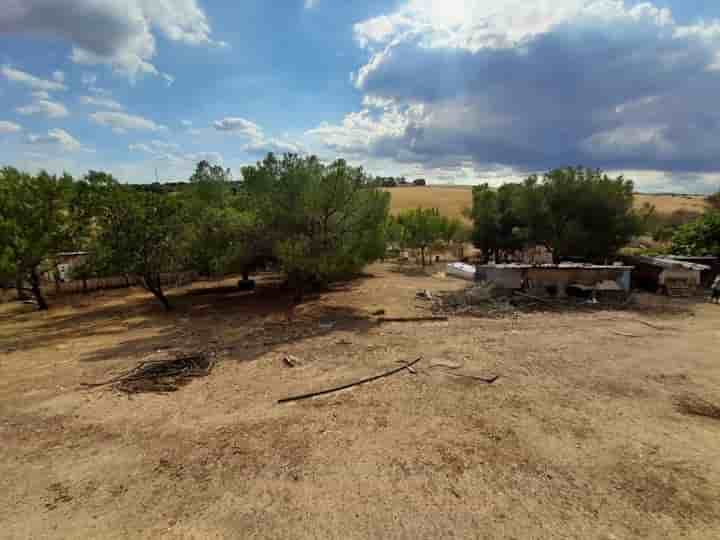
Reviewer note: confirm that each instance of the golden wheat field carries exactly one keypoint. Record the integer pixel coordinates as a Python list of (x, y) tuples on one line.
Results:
[(452, 200)]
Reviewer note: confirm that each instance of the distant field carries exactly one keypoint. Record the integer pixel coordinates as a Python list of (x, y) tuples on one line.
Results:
[(451, 200)]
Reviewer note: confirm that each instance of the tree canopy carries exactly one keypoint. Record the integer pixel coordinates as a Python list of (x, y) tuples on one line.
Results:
[(574, 212), (700, 237)]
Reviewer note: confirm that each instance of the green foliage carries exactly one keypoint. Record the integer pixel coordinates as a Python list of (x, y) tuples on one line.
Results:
[(143, 234), (34, 222), (422, 228), (573, 212), (322, 221), (700, 237)]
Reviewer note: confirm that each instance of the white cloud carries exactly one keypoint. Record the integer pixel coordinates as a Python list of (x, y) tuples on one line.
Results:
[(9, 127), (309, 4), (238, 126), (58, 76), (121, 122), (141, 147), (40, 94), (21, 77), (118, 33), (166, 146), (527, 85), (271, 144), (56, 137), (104, 103), (46, 108), (186, 123)]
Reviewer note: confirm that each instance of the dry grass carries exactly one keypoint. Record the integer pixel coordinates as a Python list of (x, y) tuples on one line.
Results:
[(578, 437), (452, 200)]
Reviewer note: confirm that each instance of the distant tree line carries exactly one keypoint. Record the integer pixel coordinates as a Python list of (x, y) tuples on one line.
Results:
[(320, 222)]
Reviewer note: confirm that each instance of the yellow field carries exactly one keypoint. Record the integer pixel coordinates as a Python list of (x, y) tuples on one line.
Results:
[(451, 200)]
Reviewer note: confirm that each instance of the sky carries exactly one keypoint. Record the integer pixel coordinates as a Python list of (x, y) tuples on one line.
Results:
[(454, 91)]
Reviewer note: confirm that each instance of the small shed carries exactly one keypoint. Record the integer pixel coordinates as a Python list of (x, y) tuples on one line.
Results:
[(666, 275), (557, 279), (706, 276)]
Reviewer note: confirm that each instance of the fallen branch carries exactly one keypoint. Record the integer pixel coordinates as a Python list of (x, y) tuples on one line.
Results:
[(412, 319), (624, 334), (159, 375), (491, 380), (350, 385)]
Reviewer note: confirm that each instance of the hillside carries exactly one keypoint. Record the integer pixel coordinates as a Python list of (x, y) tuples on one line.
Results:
[(451, 200)]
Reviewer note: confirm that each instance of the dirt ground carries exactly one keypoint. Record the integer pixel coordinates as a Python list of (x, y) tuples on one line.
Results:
[(586, 434)]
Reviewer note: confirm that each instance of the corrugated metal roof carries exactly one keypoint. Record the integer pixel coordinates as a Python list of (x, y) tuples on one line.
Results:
[(669, 263), (561, 266)]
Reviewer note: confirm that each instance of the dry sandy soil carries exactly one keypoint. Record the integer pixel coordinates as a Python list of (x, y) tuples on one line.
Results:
[(452, 200), (583, 436)]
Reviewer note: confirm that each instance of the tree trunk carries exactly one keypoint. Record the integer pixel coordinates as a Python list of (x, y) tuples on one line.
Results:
[(84, 285), (155, 287), (246, 274), (19, 287), (37, 292), (422, 256)]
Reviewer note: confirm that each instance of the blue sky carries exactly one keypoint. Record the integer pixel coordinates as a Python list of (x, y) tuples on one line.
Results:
[(456, 91)]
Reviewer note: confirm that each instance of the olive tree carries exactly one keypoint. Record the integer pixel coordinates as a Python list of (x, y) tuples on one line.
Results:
[(33, 223)]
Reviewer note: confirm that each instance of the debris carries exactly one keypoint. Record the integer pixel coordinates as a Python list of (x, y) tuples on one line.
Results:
[(344, 342), (412, 370), (412, 319), (485, 380), (350, 385), (447, 365), (290, 360), (165, 375), (624, 334), (536, 298), (697, 406), (329, 325), (379, 312), (424, 295)]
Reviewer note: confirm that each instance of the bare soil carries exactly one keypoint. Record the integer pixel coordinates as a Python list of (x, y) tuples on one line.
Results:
[(586, 434)]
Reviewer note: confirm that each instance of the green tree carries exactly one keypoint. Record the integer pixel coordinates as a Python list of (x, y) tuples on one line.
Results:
[(323, 222), (573, 212), (422, 229), (701, 237), (33, 223), (143, 234), (584, 213)]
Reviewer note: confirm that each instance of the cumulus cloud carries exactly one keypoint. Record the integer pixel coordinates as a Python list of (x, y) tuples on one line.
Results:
[(56, 137), (40, 94), (44, 107), (36, 83), (238, 126), (533, 84), (122, 122), (259, 142), (9, 127), (119, 33), (102, 102), (265, 145)]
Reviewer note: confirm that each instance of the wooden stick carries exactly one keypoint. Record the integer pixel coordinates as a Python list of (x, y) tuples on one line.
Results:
[(412, 319), (349, 385), (624, 334)]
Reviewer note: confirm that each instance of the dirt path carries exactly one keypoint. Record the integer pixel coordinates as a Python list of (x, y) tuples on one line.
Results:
[(581, 437)]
